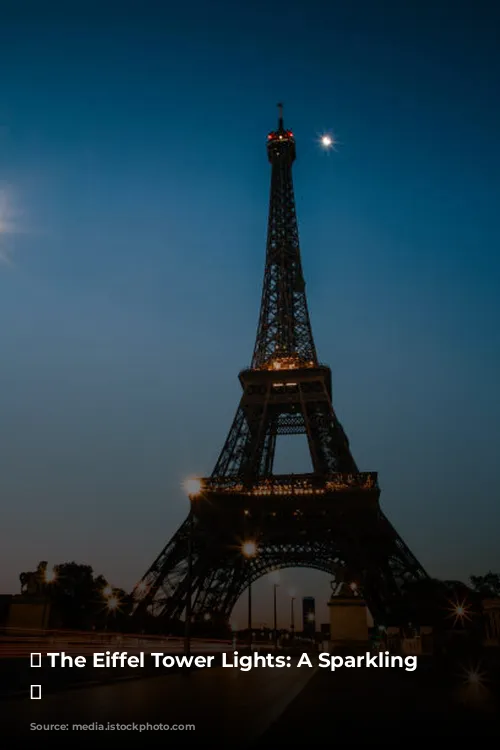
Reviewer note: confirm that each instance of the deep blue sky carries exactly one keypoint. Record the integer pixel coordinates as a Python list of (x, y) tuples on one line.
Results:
[(134, 191)]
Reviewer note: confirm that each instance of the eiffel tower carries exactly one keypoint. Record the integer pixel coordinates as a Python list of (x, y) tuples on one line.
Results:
[(245, 521)]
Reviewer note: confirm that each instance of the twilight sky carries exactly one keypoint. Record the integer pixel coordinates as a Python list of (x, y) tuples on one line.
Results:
[(133, 205)]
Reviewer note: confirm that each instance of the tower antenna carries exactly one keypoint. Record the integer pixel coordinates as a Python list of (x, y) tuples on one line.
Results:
[(280, 120)]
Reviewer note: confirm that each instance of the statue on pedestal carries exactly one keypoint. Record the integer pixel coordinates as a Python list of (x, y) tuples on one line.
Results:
[(343, 585), (32, 582)]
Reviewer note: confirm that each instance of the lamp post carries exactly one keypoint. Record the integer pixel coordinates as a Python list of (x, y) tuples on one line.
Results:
[(49, 576), (292, 617), (311, 618), (249, 550), (193, 488), (275, 586)]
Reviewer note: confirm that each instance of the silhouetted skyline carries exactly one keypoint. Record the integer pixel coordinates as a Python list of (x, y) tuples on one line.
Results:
[(134, 189)]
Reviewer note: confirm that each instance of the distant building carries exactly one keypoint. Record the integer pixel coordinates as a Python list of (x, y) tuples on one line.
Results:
[(309, 616), (325, 631)]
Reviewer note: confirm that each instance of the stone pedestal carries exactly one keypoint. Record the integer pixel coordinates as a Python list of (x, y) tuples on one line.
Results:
[(28, 613), (491, 613), (348, 622)]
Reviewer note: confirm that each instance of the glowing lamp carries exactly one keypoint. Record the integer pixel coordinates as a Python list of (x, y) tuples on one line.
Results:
[(192, 486), (50, 576), (249, 549)]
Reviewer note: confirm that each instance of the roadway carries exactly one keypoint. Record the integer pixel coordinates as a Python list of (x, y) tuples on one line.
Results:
[(16, 675), (226, 705)]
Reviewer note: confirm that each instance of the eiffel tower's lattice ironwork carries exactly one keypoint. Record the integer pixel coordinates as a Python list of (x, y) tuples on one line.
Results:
[(329, 519)]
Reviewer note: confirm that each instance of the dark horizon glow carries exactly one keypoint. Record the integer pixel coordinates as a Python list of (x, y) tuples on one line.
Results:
[(133, 206)]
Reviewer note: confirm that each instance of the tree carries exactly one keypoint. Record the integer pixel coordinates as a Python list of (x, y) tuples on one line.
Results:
[(82, 600), (487, 585)]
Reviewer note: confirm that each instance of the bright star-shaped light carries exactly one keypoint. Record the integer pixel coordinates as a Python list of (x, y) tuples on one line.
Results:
[(113, 603), (459, 611), (249, 549), (474, 676), (327, 141)]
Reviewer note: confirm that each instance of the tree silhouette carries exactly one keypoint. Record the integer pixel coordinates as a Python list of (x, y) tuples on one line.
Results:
[(487, 585), (81, 600)]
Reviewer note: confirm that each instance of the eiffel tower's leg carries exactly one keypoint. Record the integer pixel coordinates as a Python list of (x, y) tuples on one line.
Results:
[(329, 441), (218, 569), (380, 560), (235, 447), (165, 575)]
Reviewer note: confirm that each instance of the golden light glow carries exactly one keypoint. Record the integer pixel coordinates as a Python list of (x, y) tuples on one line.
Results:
[(107, 591), (249, 549), (297, 485), (192, 486), (459, 611), (474, 677), (113, 603), (286, 363), (50, 576)]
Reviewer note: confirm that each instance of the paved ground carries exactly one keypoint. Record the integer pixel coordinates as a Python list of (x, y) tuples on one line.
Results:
[(16, 673), (270, 707), (382, 707), (231, 707)]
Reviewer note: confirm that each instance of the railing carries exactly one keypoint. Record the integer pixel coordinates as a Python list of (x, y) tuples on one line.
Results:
[(295, 484), (287, 363)]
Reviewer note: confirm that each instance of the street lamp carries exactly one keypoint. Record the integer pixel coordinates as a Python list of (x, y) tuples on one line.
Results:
[(192, 487), (292, 614), (113, 603), (49, 576), (249, 550), (275, 586)]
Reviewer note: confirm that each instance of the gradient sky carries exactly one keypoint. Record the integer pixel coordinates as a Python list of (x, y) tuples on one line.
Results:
[(133, 205)]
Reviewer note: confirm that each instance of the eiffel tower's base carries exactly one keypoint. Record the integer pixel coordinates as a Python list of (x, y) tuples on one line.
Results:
[(332, 524)]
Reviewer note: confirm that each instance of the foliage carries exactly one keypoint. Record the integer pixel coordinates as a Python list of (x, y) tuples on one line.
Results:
[(82, 600), (444, 604), (487, 585)]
